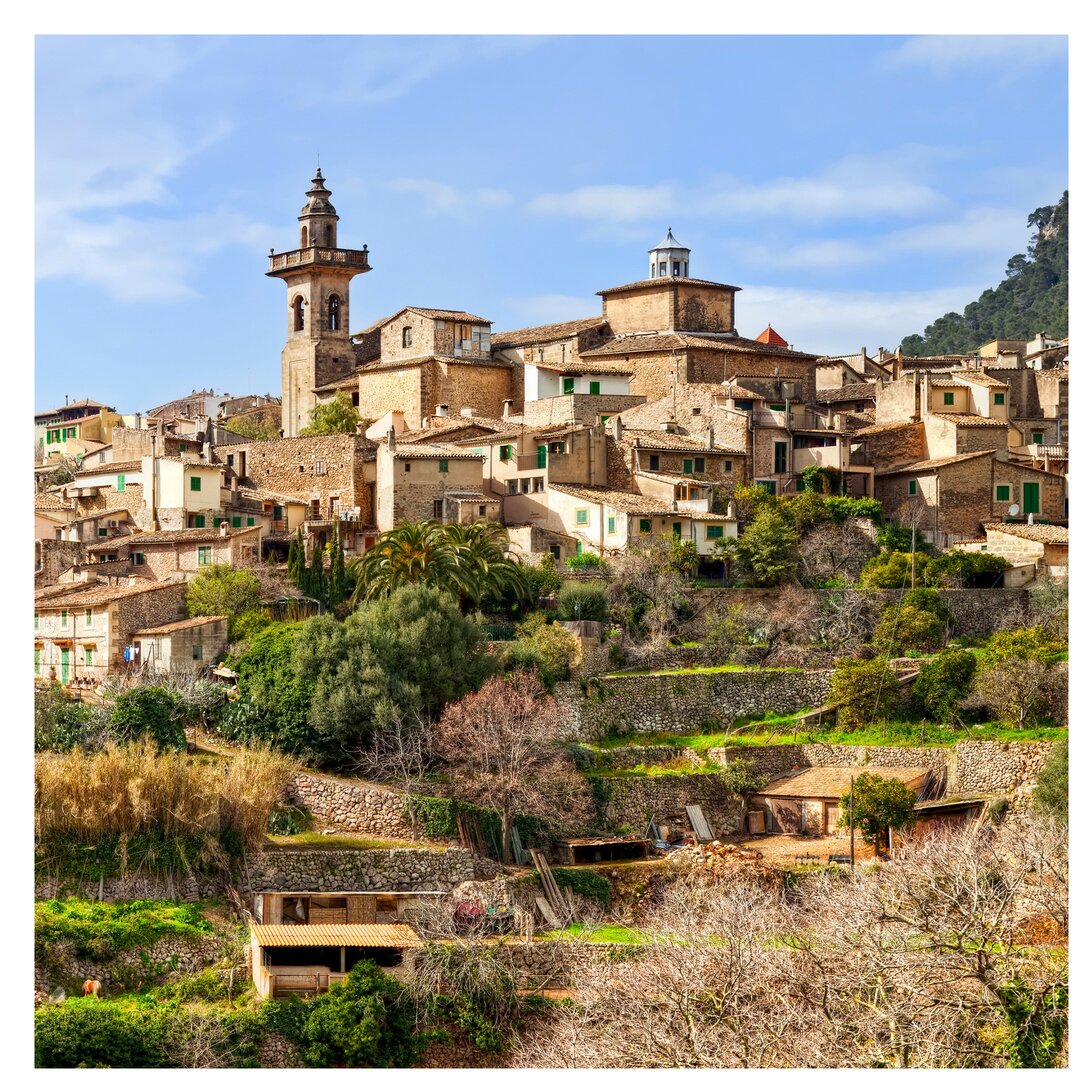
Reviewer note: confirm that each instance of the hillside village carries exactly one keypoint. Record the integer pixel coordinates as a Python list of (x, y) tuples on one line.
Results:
[(508, 669)]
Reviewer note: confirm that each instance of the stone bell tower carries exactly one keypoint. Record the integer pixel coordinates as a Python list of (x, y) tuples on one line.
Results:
[(318, 348)]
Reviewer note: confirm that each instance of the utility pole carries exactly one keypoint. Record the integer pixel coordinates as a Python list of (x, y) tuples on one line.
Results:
[(851, 822), (913, 545)]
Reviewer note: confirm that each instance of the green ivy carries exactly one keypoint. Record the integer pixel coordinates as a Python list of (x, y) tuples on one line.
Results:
[(438, 819), (584, 882)]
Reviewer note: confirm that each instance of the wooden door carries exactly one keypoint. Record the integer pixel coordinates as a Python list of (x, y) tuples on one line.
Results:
[(832, 818)]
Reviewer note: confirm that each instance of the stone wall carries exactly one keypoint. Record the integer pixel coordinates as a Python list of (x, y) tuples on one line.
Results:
[(685, 703), (392, 869), (632, 800), (582, 408), (54, 557), (982, 766), (359, 807), (181, 888)]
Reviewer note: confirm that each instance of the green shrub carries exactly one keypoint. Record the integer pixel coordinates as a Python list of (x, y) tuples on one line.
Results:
[(892, 536), (943, 684), (864, 690), (62, 723), (969, 569), (288, 821), (438, 816), (586, 883), (541, 580), (1051, 795), (87, 1033), (365, 1022), (583, 600), (585, 560), (893, 571), (149, 710), (919, 622)]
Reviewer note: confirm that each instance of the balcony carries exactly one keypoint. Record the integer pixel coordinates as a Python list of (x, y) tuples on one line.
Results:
[(316, 256)]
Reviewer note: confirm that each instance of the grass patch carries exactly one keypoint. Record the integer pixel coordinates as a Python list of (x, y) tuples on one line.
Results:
[(599, 935), (719, 669), (343, 843)]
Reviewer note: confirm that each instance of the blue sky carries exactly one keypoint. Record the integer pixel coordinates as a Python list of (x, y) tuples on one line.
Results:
[(855, 187)]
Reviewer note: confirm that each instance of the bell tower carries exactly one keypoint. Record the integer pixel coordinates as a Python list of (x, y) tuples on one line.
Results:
[(318, 348)]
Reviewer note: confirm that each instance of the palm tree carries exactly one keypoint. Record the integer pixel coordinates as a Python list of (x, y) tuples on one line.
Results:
[(468, 560)]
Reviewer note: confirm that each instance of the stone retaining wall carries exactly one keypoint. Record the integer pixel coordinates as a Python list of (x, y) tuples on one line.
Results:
[(982, 766), (632, 800), (357, 806), (137, 887), (393, 869), (685, 703)]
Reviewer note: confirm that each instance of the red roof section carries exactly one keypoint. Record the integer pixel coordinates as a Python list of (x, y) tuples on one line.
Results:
[(769, 336)]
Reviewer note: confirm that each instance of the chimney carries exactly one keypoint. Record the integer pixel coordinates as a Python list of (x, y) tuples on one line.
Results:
[(616, 426), (442, 409), (710, 438), (223, 529), (507, 403), (234, 484), (731, 510), (467, 411), (391, 439)]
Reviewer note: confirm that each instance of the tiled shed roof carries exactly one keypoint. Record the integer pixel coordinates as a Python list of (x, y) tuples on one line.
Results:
[(1044, 534)]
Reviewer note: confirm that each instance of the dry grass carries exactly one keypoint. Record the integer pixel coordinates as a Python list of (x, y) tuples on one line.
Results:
[(128, 790)]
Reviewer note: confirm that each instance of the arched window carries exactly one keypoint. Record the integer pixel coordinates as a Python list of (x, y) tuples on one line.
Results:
[(303, 236), (298, 313), (334, 313)]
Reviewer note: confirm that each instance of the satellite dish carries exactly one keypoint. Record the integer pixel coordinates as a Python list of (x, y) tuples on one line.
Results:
[(1014, 510)]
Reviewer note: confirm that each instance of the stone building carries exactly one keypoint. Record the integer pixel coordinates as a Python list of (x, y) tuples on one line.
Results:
[(318, 348), (81, 629), (1047, 546), (179, 554), (184, 647)]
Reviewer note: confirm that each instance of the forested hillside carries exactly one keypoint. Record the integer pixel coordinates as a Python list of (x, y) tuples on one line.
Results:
[(1033, 297)]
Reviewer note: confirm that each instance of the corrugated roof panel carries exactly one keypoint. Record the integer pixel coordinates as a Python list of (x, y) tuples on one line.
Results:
[(369, 935)]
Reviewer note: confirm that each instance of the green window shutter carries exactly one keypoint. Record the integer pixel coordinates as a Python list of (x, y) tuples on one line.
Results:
[(912, 487), (37, 661), (103, 532), (714, 532), (277, 512), (444, 465), (568, 386), (89, 617), (236, 521), (581, 517), (676, 530), (63, 434), (1037, 437), (541, 456), (196, 483), (1002, 493), (37, 619), (204, 556), (999, 399), (579, 547), (688, 465), (604, 419), (88, 657), (251, 521), (611, 523), (63, 619), (594, 388), (200, 521), (644, 525), (780, 457), (65, 666), (948, 397), (1031, 498), (800, 484), (121, 482), (139, 558)]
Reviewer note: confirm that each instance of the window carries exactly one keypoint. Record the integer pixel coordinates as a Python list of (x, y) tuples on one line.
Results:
[(406, 337), (278, 512), (949, 397), (511, 487), (767, 485), (714, 532), (196, 483), (557, 447), (999, 398), (654, 462), (541, 456), (539, 486), (320, 467), (196, 650), (676, 530), (71, 432), (568, 386), (37, 619), (251, 521), (37, 661), (89, 617), (482, 510), (121, 482), (662, 268), (333, 314), (581, 517), (103, 532), (594, 388), (579, 547), (727, 466), (437, 508), (1031, 498), (298, 313), (674, 269), (236, 521), (526, 486), (444, 465), (688, 465), (229, 460), (699, 464), (63, 620), (780, 457), (200, 521), (1037, 438), (138, 558), (1002, 493), (644, 525), (88, 657), (408, 466), (912, 487), (217, 522), (556, 552), (506, 453), (204, 556), (604, 419), (611, 523)]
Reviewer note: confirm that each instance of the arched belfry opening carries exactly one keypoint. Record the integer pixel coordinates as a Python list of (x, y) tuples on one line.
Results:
[(333, 313), (298, 313)]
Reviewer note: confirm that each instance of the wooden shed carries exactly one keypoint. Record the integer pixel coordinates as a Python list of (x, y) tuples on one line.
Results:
[(809, 801)]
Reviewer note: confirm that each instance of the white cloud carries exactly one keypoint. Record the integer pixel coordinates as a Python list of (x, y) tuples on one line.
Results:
[(1009, 54), (141, 260), (608, 202), (440, 198), (841, 321), (547, 308)]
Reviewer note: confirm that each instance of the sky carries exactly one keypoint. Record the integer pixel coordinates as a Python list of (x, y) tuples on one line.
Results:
[(855, 188)]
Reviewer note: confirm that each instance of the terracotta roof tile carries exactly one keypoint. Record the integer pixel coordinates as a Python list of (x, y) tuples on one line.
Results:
[(111, 467), (91, 594), (172, 536), (834, 782), (971, 420), (668, 282), (662, 440), (934, 463), (539, 335), (1046, 534), (850, 392), (665, 341), (435, 450), (629, 502), (183, 624)]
